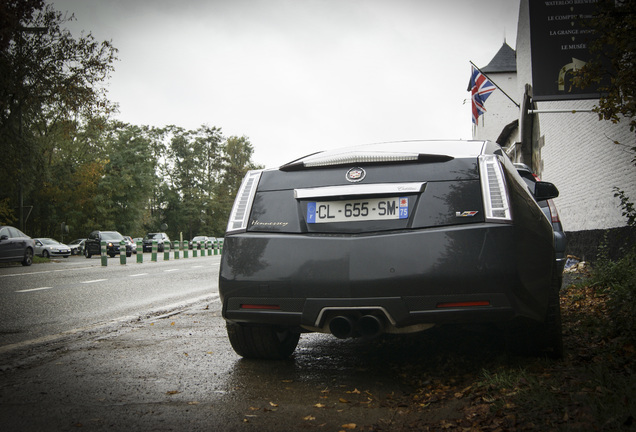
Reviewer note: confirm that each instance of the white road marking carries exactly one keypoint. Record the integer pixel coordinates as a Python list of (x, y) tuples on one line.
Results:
[(93, 281), (42, 272), (139, 274), (34, 289)]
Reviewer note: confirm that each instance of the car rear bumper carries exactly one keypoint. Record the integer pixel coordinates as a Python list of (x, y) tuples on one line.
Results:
[(469, 273)]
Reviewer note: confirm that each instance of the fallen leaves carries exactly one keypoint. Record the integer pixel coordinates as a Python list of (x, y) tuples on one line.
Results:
[(458, 383)]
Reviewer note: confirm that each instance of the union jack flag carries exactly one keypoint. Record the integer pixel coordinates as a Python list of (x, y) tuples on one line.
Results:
[(481, 88)]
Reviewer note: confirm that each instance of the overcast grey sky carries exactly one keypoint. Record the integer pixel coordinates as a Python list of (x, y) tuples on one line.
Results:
[(297, 76)]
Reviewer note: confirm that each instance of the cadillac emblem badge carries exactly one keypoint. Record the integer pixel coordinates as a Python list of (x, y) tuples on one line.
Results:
[(355, 175)]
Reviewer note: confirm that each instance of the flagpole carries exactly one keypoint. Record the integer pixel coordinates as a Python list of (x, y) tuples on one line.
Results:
[(494, 83)]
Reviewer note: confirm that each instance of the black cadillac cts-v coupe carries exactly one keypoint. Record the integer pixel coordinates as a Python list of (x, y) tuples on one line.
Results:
[(389, 238)]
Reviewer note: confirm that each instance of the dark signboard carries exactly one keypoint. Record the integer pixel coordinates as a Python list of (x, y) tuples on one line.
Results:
[(560, 44)]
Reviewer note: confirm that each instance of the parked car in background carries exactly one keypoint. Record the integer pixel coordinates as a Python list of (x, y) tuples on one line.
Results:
[(162, 239), (48, 247), (16, 246), (92, 246), (77, 246), (133, 245), (389, 238), (201, 242), (550, 211)]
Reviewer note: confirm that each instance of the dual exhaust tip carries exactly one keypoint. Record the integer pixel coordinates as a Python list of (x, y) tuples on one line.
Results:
[(344, 327)]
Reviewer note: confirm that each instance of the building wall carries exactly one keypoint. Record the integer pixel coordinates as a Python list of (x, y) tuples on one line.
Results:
[(578, 152)]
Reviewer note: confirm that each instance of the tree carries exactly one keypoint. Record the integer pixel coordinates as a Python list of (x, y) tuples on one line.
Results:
[(48, 81), (12, 14), (614, 27), (126, 186), (190, 174)]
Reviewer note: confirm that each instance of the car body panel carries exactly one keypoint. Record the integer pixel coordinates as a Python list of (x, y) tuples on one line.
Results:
[(202, 240), (77, 246), (309, 244), (113, 239), (161, 238), (129, 242), (15, 246), (433, 266), (51, 248), (548, 207)]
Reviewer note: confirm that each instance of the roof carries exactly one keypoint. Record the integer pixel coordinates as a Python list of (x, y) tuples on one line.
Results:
[(504, 61)]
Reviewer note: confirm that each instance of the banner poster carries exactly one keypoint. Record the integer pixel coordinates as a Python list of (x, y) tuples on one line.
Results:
[(560, 41)]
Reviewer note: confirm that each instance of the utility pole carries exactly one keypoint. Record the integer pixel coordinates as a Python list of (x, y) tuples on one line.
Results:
[(22, 30)]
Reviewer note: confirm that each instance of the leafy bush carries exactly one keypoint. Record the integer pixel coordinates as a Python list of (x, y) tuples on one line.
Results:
[(617, 279)]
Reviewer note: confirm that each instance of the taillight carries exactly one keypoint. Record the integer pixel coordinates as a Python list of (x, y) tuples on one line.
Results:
[(493, 189), (463, 304), (260, 306), (554, 214), (243, 202)]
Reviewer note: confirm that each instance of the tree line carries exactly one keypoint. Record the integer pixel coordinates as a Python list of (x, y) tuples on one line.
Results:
[(69, 168)]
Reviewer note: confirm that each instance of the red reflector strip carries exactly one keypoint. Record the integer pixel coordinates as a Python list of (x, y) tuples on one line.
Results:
[(255, 306), (463, 304)]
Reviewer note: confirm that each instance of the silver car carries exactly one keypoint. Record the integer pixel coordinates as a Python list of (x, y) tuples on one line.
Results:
[(48, 247), (77, 246)]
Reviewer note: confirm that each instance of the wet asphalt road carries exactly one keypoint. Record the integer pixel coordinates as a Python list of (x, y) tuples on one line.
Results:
[(75, 294), (177, 372), (173, 369)]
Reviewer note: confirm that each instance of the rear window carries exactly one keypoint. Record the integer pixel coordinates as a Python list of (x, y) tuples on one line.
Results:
[(112, 236)]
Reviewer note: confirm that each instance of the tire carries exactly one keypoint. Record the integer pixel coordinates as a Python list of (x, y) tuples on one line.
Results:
[(262, 342), (545, 338), (45, 254), (552, 328), (128, 254), (112, 255), (28, 257), (87, 253)]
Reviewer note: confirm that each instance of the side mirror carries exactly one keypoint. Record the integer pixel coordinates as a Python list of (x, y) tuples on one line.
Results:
[(4, 237), (545, 190)]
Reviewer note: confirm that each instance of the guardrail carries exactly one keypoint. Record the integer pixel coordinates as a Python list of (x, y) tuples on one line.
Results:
[(179, 248)]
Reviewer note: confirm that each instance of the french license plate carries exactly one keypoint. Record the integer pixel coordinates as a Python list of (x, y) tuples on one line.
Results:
[(358, 210)]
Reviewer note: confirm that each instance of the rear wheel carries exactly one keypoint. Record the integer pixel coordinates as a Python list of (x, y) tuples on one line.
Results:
[(553, 334), (28, 257), (262, 342), (87, 253), (546, 338)]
